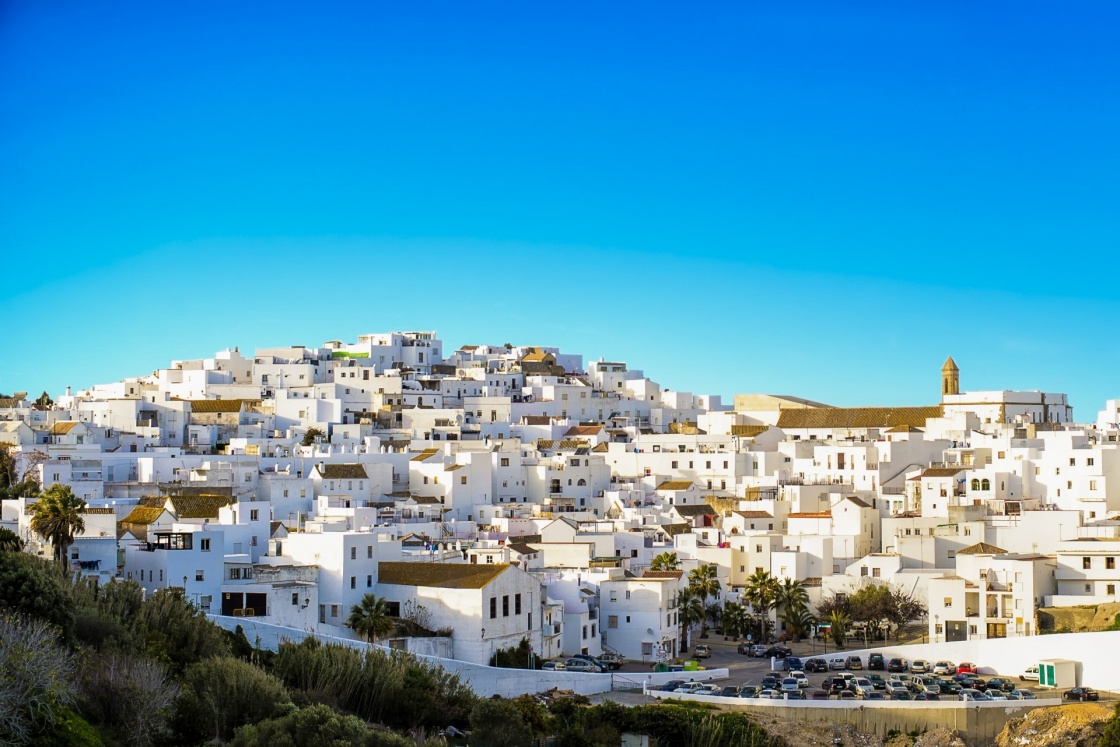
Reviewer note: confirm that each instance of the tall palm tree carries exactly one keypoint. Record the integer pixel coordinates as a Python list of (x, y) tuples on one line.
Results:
[(57, 517), (666, 561), (370, 618), (760, 594), (791, 599), (840, 622), (800, 624), (704, 582), (734, 618), (690, 610)]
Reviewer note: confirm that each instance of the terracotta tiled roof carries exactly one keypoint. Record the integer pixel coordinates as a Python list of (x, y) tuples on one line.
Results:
[(197, 506), (567, 444), (674, 529), (601, 448), (811, 581), (811, 515), (982, 548), (941, 471), (439, 575), (857, 417), (152, 501), (675, 485), (521, 548), (584, 430), (100, 511), (701, 510), (142, 515), (220, 405), (342, 471), (858, 501), (748, 431), (905, 429), (424, 455), (63, 427), (662, 574), (537, 419), (755, 514)]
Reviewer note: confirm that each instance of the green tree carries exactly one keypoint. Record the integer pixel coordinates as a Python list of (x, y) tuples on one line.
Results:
[(312, 726), (1111, 735), (690, 611), (130, 694), (177, 631), (840, 623), (10, 541), (791, 599), (312, 435), (499, 723), (370, 618), (57, 516), (37, 588), (666, 561), (44, 402), (734, 619), (36, 678), (761, 593), (704, 582), (220, 694)]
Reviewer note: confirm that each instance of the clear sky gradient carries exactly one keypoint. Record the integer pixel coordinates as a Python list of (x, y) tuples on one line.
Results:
[(813, 198)]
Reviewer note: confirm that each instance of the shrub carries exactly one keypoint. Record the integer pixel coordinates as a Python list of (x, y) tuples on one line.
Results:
[(220, 694), (37, 588), (132, 695), (177, 631), (499, 723), (36, 678)]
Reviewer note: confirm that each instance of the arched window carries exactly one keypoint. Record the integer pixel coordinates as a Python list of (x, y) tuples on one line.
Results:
[(582, 482), (985, 485), (975, 484)]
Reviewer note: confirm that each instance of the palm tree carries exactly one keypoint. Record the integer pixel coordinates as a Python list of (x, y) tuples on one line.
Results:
[(704, 582), (666, 561), (734, 618), (801, 623), (791, 599), (370, 618), (690, 610), (760, 593), (839, 630), (10, 541), (57, 517)]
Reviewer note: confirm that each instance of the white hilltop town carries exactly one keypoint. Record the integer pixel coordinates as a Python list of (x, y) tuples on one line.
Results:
[(508, 492)]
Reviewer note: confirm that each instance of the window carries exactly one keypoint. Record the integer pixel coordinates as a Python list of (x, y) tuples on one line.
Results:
[(1110, 590), (1092, 485), (369, 551), (612, 621), (1086, 563), (1072, 462), (353, 582), (674, 465), (334, 610), (493, 607), (198, 575), (517, 604), (254, 515), (295, 598), (627, 593), (863, 571), (1110, 563), (985, 484), (1088, 588), (948, 602), (505, 461), (647, 646), (353, 553), (463, 480), (505, 605), (369, 582), (204, 544), (1089, 462), (875, 572)]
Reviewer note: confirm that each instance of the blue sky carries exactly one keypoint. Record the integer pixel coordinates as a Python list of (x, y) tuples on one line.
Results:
[(817, 198)]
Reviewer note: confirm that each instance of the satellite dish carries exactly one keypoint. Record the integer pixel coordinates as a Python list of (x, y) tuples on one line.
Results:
[(649, 631)]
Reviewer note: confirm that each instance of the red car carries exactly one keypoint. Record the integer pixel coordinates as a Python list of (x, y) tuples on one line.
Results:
[(966, 667)]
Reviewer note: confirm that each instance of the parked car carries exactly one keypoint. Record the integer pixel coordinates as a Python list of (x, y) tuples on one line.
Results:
[(875, 695), (794, 695), (944, 667), (855, 662), (1030, 673), (816, 664), (703, 651), (770, 682), (758, 651), (995, 695), (846, 695), (730, 691), (789, 684), (966, 667), (777, 652), (1020, 695), (749, 691), (593, 659), (927, 696), (1000, 683), (875, 661), (863, 687), (919, 666), (838, 662), (581, 665), (897, 665), (833, 684), (743, 648), (1081, 693), (878, 681), (970, 694), (802, 680), (688, 688), (613, 661), (769, 694), (948, 687), (901, 695), (818, 694), (671, 685), (553, 665), (794, 662)]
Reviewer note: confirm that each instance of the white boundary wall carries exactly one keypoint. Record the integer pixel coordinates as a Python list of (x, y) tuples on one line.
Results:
[(485, 681), (1094, 653)]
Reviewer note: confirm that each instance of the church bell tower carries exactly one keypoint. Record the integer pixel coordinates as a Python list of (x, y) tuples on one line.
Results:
[(950, 378)]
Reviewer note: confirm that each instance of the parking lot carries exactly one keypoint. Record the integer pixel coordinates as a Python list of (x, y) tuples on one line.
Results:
[(744, 670)]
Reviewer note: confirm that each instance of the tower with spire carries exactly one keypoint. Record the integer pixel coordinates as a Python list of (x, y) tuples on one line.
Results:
[(950, 378)]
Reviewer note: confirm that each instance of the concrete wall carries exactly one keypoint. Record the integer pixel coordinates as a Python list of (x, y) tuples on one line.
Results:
[(1010, 656), (485, 681), (977, 723)]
